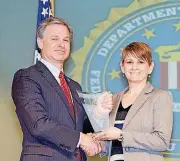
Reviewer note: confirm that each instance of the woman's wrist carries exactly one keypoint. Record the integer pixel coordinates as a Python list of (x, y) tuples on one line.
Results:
[(120, 135)]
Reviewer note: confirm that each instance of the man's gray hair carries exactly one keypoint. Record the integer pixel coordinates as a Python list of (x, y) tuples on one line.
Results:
[(50, 21)]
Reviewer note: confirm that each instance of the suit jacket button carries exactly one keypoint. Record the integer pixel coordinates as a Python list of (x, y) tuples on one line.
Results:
[(75, 154)]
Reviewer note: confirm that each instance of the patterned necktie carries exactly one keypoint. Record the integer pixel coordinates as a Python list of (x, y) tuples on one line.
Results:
[(66, 91)]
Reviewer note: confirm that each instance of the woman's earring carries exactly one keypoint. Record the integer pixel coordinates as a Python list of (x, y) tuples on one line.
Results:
[(123, 74), (149, 75)]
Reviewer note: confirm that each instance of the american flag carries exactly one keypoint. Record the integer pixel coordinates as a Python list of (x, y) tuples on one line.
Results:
[(45, 10)]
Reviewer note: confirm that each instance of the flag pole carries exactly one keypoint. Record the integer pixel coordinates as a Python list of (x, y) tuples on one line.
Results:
[(52, 6)]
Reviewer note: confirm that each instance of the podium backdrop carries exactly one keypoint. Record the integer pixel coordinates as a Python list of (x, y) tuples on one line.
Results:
[(101, 29)]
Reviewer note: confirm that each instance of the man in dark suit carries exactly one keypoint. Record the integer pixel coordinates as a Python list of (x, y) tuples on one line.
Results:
[(47, 104)]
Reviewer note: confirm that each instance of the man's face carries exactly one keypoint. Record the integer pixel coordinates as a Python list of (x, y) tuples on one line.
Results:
[(55, 44)]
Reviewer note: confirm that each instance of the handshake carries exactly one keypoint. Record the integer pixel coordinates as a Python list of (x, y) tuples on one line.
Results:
[(90, 145), (93, 144)]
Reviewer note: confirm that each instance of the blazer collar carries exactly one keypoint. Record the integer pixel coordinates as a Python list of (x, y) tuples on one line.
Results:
[(140, 100), (50, 78)]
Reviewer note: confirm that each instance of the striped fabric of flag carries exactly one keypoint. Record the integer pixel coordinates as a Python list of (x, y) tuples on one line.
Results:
[(170, 75), (45, 10)]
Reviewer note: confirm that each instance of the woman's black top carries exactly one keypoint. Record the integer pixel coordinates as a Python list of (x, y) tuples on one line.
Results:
[(117, 150)]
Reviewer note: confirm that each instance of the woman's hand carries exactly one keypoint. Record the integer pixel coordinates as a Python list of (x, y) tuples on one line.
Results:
[(111, 133), (104, 104)]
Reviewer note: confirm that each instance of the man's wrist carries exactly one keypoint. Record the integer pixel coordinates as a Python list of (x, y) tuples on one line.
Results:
[(79, 141), (80, 138)]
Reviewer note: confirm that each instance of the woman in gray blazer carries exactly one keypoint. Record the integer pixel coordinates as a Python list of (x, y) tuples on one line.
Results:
[(141, 120)]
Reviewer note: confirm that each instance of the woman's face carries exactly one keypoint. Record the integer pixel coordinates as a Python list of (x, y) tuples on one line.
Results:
[(136, 70)]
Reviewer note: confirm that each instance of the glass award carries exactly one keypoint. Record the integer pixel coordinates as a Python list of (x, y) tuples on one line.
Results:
[(98, 116)]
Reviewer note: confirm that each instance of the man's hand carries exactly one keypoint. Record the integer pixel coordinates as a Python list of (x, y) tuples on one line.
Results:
[(90, 146), (111, 133)]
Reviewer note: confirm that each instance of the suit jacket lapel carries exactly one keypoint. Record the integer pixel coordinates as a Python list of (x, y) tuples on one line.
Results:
[(50, 78), (141, 99)]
